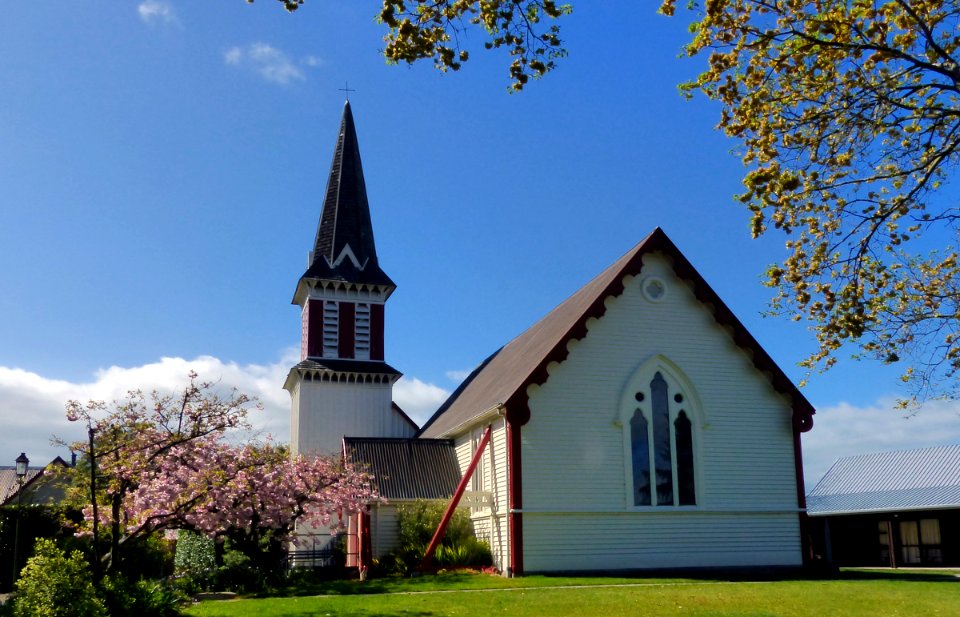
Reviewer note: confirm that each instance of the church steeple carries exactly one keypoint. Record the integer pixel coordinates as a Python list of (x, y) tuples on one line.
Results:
[(344, 249), (343, 290), (342, 384)]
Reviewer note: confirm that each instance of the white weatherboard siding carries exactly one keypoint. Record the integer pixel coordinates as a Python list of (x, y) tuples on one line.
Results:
[(324, 412), (385, 529), (658, 540), (575, 495), (489, 524)]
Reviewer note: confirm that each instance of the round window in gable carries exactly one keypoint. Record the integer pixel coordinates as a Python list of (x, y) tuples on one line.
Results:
[(654, 289)]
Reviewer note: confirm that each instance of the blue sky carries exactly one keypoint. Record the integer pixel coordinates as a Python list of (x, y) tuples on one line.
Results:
[(162, 166)]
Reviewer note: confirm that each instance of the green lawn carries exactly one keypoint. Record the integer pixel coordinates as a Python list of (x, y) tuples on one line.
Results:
[(857, 593)]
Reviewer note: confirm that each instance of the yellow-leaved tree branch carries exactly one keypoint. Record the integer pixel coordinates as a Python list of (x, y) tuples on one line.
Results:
[(437, 30), (848, 118)]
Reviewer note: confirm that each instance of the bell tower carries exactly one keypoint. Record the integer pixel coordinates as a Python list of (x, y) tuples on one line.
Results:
[(342, 386)]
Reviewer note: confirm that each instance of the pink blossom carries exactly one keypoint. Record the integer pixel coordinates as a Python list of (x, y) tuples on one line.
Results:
[(167, 463)]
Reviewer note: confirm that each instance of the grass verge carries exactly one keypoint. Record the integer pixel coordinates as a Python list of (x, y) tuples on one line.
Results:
[(850, 594)]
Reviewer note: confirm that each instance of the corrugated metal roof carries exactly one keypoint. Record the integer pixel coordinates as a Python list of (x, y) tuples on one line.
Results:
[(407, 468), (926, 478), (8, 481)]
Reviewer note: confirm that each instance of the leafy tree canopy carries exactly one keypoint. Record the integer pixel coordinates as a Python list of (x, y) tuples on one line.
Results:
[(433, 29), (848, 117)]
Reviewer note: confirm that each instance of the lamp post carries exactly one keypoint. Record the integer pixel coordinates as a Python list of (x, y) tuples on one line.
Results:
[(22, 463), (93, 500)]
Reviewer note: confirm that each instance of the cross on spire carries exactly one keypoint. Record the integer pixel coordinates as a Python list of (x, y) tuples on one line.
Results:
[(346, 88)]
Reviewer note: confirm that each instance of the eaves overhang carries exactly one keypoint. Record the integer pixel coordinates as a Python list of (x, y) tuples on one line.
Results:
[(341, 371)]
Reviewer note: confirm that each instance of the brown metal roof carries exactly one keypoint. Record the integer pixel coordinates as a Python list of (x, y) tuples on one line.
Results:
[(503, 378), (406, 468)]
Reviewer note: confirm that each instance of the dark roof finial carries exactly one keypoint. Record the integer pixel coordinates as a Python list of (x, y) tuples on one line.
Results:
[(347, 90)]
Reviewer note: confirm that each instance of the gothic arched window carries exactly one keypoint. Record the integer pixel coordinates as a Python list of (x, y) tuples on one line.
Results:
[(659, 438)]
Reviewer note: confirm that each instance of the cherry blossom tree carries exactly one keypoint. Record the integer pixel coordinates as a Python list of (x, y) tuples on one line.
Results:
[(166, 462), (847, 115)]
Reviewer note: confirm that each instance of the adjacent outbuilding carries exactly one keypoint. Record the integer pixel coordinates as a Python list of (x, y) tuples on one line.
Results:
[(891, 509)]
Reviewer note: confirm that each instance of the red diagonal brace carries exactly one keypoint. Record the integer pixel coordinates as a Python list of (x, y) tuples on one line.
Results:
[(445, 521)]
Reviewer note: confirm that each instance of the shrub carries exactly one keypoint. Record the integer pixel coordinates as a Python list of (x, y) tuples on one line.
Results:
[(35, 521), (469, 552), (195, 560), (148, 557), (238, 573), (143, 598), (158, 599), (251, 562), (55, 585), (418, 521)]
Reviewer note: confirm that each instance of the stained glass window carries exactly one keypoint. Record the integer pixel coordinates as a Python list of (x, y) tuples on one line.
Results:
[(661, 439), (640, 447), (686, 490), (662, 457)]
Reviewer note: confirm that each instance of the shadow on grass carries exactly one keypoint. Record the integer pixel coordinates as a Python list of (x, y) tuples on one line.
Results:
[(389, 584), (782, 574), (928, 576), (313, 586), (360, 613)]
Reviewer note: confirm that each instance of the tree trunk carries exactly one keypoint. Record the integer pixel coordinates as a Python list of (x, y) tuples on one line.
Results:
[(114, 562)]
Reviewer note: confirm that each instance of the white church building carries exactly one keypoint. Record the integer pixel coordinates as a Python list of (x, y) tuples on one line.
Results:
[(638, 425)]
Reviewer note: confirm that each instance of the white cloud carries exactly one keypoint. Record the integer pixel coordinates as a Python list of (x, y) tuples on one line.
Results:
[(418, 399), (158, 12), (267, 61), (458, 376), (845, 430), (32, 409), (234, 55), (311, 61), (32, 406)]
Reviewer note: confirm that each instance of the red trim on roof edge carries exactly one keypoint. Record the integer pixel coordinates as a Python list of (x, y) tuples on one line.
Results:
[(518, 408), (597, 309)]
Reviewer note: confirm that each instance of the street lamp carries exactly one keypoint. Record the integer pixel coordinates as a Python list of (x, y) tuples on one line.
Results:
[(22, 463)]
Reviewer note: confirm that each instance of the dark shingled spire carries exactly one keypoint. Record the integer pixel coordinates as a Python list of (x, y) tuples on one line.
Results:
[(344, 249)]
